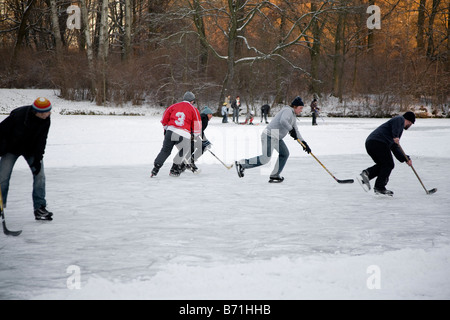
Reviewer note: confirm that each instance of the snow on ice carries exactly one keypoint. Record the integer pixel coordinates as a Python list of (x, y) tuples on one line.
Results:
[(117, 234)]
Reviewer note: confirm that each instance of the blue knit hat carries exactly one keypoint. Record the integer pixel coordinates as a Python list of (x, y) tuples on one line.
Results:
[(207, 111)]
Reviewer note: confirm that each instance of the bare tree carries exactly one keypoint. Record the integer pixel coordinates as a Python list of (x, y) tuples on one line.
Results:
[(21, 31), (127, 34), (103, 54)]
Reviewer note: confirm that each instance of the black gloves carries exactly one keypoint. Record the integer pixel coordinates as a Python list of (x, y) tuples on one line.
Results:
[(293, 134), (36, 167), (306, 148)]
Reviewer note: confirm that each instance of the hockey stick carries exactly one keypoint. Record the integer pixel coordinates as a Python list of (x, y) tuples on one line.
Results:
[(228, 167), (321, 117), (407, 159), (337, 180), (2, 214)]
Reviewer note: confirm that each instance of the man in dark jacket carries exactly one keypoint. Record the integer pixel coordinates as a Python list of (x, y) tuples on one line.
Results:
[(379, 145), (314, 111), (236, 106), (265, 112), (200, 145), (24, 133)]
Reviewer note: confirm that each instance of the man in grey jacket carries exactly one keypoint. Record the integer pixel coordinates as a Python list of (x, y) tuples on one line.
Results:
[(272, 138), (379, 145)]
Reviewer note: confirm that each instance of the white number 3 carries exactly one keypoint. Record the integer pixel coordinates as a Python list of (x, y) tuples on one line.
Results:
[(180, 121)]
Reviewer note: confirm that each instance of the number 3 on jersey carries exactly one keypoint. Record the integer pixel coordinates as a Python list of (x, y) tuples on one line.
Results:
[(180, 121)]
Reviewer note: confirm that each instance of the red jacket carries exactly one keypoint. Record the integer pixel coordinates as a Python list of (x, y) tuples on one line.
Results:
[(182, 118)]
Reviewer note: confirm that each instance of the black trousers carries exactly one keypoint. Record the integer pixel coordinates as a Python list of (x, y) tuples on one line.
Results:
[(384, 163), (172, 139), (314, 118)]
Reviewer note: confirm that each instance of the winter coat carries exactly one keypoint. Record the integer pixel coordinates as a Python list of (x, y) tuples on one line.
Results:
[(314, 107), (224, 110), (24, 134), (205, 122), (386, 134), (236, 104), (265, 108)]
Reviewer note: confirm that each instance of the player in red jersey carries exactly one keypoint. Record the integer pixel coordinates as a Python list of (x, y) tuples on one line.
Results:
[(181, 122)]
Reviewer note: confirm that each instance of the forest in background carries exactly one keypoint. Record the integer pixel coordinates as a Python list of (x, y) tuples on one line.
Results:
[(152, 51)]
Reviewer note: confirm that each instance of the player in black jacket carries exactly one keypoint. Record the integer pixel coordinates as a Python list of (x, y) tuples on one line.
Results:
[(201, 145), (380, 145), (24, 133)]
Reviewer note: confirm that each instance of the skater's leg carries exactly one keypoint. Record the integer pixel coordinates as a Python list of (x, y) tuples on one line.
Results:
[(7, 163), (384, 163), (170, 139), (283, 156), (267, 148), (38, 185)]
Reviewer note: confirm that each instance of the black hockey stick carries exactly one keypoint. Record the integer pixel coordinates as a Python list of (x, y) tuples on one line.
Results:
[(337, 180), (2, 214), (431, 191)]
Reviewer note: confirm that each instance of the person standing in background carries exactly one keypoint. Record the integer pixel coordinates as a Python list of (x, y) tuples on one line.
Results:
[(314, 111), (236, 105), (265, 109)]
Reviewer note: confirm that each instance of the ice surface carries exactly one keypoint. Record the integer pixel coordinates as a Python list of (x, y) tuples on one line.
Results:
[(216, 236)]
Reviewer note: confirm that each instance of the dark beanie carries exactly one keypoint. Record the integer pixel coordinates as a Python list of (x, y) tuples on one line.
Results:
[(410, 116), (297, 102)]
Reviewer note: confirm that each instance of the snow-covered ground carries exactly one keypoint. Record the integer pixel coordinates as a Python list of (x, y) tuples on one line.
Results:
[(117, 234)]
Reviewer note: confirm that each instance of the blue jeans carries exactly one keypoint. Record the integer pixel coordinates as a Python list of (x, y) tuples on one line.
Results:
[(236, 115), (268, 145), (7, 163)]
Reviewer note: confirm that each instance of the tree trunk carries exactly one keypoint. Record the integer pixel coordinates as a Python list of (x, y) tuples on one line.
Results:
[(420, 25), (314, 52), (127, 36), (228, 87), (56, 30), (103, 54), (21, 31), (430, 47), (338, 59), (200, 25), (89, 49), (371, 36)]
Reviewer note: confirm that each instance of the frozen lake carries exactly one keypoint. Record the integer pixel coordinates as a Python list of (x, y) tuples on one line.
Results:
[(117, 234)]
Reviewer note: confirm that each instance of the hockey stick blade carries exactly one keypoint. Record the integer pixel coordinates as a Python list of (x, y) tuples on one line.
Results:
[(10, 233), (348, 181), (228, 167), (432, 191), (2, 215)]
